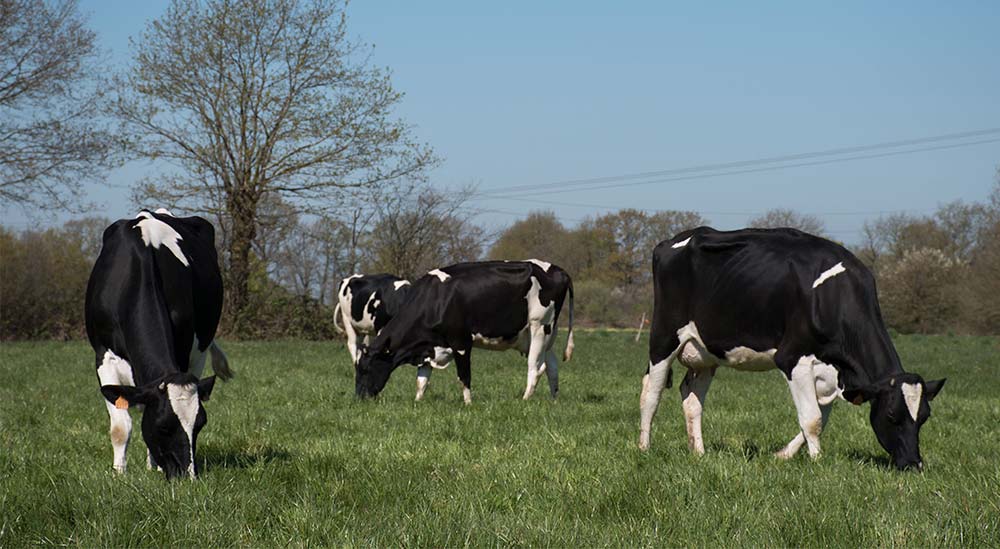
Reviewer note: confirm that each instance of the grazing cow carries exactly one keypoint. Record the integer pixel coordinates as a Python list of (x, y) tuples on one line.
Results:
[(493, 305), (365, 303), (757, 299), (153, 303)]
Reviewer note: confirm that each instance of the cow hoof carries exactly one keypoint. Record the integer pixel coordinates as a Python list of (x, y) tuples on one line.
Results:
[(784, 454)]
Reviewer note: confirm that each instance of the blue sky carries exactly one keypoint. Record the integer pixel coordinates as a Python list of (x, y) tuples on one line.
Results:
[(517, 93)]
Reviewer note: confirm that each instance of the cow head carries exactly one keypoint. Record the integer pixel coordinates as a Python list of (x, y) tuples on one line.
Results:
[(372, 370), (171, 419), (899, 407)]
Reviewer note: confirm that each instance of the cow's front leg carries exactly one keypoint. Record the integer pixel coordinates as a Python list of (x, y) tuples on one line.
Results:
[(121, 432), (536, 356), (802, 384), (694, 388), (423, 378), (463, 364), (827, 391)]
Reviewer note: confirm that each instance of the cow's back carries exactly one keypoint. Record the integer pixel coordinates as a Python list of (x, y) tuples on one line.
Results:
[(147, 303)]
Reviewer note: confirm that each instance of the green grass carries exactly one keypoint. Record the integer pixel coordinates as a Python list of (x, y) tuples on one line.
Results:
[(291, 458)]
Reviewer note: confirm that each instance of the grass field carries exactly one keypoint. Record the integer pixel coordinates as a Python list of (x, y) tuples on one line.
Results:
[(289, 457)]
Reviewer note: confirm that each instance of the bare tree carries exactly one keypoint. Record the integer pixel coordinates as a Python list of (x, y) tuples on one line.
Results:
[(256, 97), (50, 138), (783, 217), (423, 228)]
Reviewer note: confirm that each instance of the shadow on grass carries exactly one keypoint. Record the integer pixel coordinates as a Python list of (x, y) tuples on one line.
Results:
[(748, 449), (870, 459), (229, 458)]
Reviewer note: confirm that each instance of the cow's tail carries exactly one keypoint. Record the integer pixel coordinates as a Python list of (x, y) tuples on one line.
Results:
[(336, 315), (568, 353), (220, 364)]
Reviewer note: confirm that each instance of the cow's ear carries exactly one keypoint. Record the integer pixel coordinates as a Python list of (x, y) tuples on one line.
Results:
[(859, 395), (931, 388), (123, 396), (205, 388)]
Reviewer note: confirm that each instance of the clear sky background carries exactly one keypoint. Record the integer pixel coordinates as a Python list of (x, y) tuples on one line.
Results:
[(531, 93)]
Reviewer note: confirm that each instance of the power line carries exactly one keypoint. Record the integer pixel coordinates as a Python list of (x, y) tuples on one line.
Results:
[(749, 170), (753, 162)]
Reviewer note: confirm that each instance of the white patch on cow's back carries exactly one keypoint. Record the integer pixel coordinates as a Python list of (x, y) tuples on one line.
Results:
[(399, 284), (682, 243), (545, 265), (185, 403), (156, 233), (829, 273), (442, 276), (164, 211), (115, 370), (911, 394)]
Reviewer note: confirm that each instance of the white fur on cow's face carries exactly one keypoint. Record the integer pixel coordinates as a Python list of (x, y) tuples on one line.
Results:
[(185, 403), (399, 284), (911, 395), (156, 233), (545, 265), (682, 243), (829, 273), (442, 276)]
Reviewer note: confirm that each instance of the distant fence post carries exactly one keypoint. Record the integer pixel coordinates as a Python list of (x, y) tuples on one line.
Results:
[(642, 323)]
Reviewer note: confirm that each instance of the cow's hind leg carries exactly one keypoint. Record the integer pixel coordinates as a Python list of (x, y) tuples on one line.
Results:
[(694, 388), (536, 356), (649, 399), (423, 378), (552, 372), (826, 392), (352, 339), (463, 365), (802, 384)]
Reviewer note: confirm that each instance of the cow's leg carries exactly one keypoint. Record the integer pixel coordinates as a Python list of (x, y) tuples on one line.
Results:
[(536, 357), (463, 365), (352, 339), (649, 399), (694, 387), (423, 378), (826, 392), (552, 372), (802, 383), (121, 432)]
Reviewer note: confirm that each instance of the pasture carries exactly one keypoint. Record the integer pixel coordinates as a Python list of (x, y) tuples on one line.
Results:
[(290, 457)]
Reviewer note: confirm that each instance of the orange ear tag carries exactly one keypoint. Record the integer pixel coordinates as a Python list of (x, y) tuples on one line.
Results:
[(121, 403)]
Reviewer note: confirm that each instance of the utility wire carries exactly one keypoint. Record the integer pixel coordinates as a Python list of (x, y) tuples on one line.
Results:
[(745, 171), (759, 161)]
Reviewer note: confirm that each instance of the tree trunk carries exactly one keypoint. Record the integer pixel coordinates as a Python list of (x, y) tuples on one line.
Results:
[(242, 208)]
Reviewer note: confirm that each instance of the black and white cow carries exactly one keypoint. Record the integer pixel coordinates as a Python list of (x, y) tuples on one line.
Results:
[(153, 303), (493, 305), (757, 299), (365, 303)]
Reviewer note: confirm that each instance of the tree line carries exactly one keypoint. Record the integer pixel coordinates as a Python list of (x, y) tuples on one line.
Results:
[(935, 273)]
